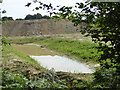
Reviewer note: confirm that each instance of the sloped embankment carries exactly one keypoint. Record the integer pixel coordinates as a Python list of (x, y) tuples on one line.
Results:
[(37, 27)]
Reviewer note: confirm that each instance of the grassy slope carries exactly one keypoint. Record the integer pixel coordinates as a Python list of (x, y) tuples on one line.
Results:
[(10, 53)]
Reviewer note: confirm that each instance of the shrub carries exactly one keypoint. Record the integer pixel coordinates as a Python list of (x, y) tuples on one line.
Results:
[(106, 78)]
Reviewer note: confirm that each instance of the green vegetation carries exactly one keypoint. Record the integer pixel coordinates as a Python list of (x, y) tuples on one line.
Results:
[(8, 49), (14, 77), (28, 17), (36, 16), (102, 20), (13, 80), (18, 81), (101, 25), (106, 78), (24, 39), (84, 50), (7, 18)]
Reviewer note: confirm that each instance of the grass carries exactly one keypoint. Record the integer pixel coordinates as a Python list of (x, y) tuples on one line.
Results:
[(12, 80), (28, 39), (84, 50), (10, 53)]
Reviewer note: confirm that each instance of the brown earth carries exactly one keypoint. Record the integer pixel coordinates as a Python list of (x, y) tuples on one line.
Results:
[(38, 27)]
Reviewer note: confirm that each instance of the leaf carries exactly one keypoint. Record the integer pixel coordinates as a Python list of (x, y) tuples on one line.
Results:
[(37, 8), (75, 81)]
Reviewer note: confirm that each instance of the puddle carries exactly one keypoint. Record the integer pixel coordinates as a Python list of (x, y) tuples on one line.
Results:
[(64, 64)]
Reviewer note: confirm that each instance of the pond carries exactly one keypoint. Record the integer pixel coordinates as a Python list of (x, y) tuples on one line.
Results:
[(60, 63), (50, 59)]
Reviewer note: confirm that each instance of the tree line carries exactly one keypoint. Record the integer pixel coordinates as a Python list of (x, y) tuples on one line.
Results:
[(27, 17)]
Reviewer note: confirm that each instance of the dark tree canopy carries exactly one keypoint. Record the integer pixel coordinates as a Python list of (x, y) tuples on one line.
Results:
[(19, 19), (7, 18), (36, 16)]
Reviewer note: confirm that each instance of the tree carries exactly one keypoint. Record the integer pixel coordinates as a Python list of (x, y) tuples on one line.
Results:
[(46, 17), (103, 25), (28, 17), (36, 16), (1, 1), (7, 18), (102, 20), (19, 19)]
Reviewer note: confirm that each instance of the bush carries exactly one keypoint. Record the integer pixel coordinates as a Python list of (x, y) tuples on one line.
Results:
[(106, 78), (18, 81)]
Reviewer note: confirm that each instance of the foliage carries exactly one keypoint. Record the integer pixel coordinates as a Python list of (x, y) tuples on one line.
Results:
[(106, 78), (105, 30), (7, 18), (28, 17), (4, 40), (10, 80), (36, 16), (102, 24), (1, 1), (103, 79), (18, 81), (19, 19)]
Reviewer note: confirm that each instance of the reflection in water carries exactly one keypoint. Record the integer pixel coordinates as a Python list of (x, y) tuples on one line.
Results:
[(60, 63)]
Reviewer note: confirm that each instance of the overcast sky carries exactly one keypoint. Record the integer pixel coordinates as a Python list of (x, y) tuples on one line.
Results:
[(17, 9)]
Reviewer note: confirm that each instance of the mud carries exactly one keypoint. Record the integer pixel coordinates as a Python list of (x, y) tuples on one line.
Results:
[(33, 50)]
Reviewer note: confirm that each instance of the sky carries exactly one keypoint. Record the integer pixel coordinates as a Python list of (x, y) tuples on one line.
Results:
[(17, 9)]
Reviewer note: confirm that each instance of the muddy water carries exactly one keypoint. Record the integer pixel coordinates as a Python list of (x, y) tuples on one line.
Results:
[(32, 50), (50, 60)]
